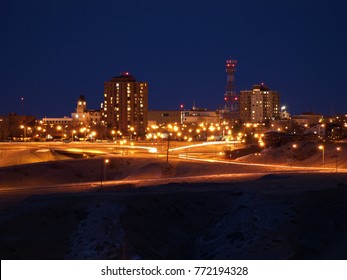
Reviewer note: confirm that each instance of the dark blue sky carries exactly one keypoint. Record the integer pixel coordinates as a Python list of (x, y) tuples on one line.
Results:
[(53, 51)]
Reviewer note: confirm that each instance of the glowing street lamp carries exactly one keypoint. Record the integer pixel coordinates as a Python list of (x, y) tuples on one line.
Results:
[(59, 128), (211, 128), (338, 149), (25, 132), (168, 147), (103, 170), (72, 135), (321, 147), (294, 146), (106, 161), (92, 135)]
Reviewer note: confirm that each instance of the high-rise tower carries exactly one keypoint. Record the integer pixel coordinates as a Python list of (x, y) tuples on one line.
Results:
[(230, 96), (125, 104)]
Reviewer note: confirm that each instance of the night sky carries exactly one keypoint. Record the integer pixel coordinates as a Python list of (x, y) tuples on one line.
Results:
[(54, 51)]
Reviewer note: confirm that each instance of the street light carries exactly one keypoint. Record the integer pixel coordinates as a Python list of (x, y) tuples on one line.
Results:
[(338, 149), (25, 132), (93, 135), (72, 134), (59, 128), (321, 147), (294, 146), (84, 131), (103, 171), (106, 161), (168, 147)]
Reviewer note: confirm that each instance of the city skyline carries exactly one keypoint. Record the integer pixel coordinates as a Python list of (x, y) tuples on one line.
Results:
[(173, 130), (58, 51)]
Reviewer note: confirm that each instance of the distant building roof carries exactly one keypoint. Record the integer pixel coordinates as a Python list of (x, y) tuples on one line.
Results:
[(124, 76), (260, 87)]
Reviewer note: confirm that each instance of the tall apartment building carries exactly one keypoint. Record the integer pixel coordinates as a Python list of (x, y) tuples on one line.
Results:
[(125, 105), (259, 104)]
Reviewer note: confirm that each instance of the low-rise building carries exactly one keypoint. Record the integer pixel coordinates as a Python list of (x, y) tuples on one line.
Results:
[(160, 117), (16, 127), (199, 115), (307, 119), (57, 121)]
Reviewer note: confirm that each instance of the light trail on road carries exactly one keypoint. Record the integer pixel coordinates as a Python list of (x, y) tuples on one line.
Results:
[(204, 144), (321, 169)]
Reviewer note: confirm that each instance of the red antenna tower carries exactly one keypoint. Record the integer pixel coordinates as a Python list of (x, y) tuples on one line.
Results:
[(231, 98)]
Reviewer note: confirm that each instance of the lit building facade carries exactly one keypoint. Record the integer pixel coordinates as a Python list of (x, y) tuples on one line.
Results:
[(57, 121), (158, 117), (15, 127), (85, 116), (197, 116), (125, 105), (259, 104)]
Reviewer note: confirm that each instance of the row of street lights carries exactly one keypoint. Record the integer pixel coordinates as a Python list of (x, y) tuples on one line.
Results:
[(338, 149), (322, 148)]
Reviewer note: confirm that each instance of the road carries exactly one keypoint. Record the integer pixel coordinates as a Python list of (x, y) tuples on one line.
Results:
[(12, 195), (133, 147), (202, 154)]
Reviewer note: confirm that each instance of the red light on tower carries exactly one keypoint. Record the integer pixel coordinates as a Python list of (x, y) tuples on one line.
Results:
[(181, 106)]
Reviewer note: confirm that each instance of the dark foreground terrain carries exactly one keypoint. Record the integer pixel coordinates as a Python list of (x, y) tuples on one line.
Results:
[(283, 216)]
